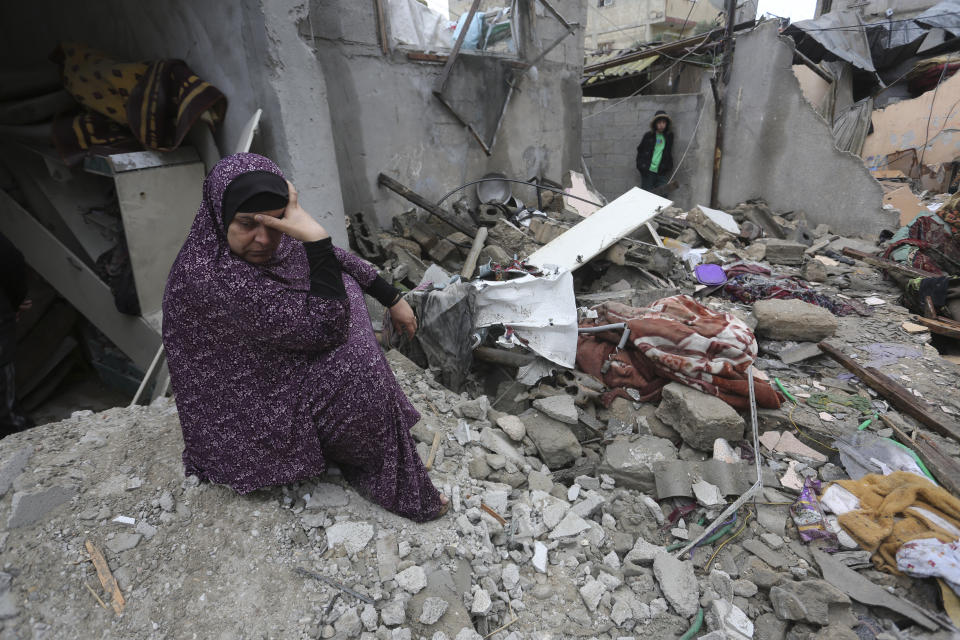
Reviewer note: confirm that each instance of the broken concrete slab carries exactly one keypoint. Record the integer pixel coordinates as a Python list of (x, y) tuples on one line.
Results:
[(571, 525), (678, 583), (852, 584), (783, 252), (699, 418), (327, 495), (123, 542), (32, 506), (354, 536), (800, 352), (496, 441), (813, 601), (765, 553), (559, 407), (793, 320), (513, 427), (630, 460), (554, 440), (13, 466)]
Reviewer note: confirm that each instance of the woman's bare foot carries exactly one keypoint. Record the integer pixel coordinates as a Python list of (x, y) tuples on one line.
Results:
[(444, 507)]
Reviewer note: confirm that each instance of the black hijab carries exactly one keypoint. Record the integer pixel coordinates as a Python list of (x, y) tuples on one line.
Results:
[(253, 192)]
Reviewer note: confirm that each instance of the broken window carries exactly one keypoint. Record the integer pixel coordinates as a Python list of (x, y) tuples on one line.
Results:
[(434, 27)]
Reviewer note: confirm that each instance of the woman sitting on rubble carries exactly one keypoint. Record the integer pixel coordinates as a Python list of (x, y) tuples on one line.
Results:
[(275, 367)]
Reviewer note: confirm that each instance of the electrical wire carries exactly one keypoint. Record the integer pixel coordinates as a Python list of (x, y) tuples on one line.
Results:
[(933, 101), (658, 76), (685, 20), (952, 14)]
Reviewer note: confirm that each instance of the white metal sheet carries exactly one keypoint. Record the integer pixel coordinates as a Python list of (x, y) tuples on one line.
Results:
[(158, 206), (76, 282), (595, 234)]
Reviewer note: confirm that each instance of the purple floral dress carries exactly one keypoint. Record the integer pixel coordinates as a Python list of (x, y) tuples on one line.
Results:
[(272, 382)]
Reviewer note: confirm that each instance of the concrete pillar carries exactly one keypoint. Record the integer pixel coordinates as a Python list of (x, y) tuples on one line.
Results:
[(296, 123)]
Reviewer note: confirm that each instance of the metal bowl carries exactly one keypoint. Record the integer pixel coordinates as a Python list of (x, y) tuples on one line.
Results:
[(494, 191)]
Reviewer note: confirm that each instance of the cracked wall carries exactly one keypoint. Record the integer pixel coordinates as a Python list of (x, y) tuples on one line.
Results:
[(386, 119), (776, 147)]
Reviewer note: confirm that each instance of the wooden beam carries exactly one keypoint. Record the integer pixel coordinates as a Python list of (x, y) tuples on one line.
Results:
[(895, 393), (381, 27), (471, 262), (423, 203), (445, 74), (950, 330), (889, 265)]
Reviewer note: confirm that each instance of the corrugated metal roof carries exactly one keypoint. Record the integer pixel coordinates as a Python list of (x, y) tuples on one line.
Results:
[(833, 36), (625, 69), (943, 15)]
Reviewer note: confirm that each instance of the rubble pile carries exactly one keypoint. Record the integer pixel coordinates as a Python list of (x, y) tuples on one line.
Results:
[(579, 508)]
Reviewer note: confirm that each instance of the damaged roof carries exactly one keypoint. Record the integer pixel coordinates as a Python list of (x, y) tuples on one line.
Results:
[(943, 15), (833, 36)]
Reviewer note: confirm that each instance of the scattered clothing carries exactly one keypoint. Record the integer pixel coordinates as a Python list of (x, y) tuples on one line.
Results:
[(128, 106), (752, 287), (276, 369), (676, 339), (927, 243), (931, 558), (943, 290), (896, 509)]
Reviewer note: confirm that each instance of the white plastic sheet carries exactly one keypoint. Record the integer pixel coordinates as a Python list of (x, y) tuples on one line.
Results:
[(541, 310), (411, 24)]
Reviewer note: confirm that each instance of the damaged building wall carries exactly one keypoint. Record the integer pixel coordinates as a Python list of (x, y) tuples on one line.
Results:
[(612, 129), (776, 147), (249, 50), (912, 124), (386, 118)]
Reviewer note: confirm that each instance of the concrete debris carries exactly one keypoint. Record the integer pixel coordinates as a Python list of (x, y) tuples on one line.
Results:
[(630, 460), (698, 418), (354, 536), (433, 609), (678, 583), (557, 444), (793, 320), (560, 408), (412, 580), (564, 500), (812, 601)]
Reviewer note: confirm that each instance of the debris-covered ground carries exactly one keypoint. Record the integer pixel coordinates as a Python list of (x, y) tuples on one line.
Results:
[(571, 513)]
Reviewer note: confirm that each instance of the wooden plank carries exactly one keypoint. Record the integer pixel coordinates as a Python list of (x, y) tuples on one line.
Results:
[(889, 265), (424, 204), (944, 468), (445, 74), (418, 56), (470, 264), (381, 27), (594, 235), (939, 327), (77, 283), (106, 578), (929, 309), (896, 394)]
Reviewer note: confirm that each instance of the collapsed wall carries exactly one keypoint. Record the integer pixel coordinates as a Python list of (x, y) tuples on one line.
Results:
[(386, 118), (612, 129), (776, 147)]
